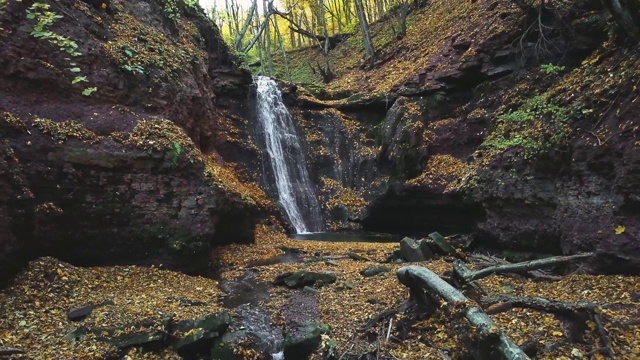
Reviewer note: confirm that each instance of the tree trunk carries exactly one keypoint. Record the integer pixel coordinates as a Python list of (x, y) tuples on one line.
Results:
[(325, 50), (364, 28), (267, 37), (416, 278), (627, 15), (260, 45), (403, 18), (284, 53), (245, 26), (226, 5)]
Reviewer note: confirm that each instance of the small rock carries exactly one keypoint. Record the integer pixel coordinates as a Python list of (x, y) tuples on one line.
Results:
[(311, 290), (373, 301), (356, 257), (79, 313), (576, 354), (331, 262), (348, 285), (374, 270)]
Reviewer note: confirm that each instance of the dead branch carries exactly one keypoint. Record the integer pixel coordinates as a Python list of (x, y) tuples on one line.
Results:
[(462, 272), (378, 318), (416, 277), (542, 304), (484, 261)]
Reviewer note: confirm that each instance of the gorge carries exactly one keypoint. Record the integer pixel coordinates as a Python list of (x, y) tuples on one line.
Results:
[(189, 208)]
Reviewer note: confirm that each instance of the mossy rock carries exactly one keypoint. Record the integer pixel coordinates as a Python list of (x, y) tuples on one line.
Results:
[(302, 340)]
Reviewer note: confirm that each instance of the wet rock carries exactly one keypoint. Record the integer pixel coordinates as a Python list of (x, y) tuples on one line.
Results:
[(311, 290), (370, 271), (186, 334), (223, 347), (442, 244), (302, 339), (190, 332), (410, 250), (426, 246), (356, 257), (144, 337), (79, 313), (120, 337), (331, 262), (302, 278)]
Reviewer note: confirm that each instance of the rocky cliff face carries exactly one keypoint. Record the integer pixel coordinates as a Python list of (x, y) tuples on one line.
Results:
[(138, 166), (534, 161), (524, 148)]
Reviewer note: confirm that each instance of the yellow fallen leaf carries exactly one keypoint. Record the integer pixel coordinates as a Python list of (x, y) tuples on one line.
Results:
[(619, 230), (557, 333)]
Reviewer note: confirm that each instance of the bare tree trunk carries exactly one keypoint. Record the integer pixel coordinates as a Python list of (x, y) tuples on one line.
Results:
[(403, 18), (292, 39), (226, 5), (347, 11), (260, 45), (623, 11), (245, 26), (327, 68), (235, 12), (284, 53), (364, 28), (267, 37)]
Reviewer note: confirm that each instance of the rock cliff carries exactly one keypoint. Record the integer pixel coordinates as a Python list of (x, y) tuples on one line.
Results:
[(117, 126)]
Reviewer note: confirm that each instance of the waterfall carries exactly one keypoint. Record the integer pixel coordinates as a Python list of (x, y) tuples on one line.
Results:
[(295, 190)]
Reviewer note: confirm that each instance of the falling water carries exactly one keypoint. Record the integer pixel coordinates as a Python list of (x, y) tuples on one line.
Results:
[(295, 190)]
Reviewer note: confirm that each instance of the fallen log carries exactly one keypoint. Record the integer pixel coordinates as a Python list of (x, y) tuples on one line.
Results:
[(484, 261), (416, 277), (462, 272), (11, 351), (543, 304)]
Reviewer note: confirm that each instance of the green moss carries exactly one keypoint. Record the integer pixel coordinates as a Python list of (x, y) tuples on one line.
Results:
[(534, 127)]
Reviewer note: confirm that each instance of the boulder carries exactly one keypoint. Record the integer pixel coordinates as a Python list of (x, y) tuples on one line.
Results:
[(302, 278), (301, 340), (442, 244), (223, 347), (410, 250)]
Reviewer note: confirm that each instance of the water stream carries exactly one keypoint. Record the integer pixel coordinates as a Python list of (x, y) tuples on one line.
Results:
[(296, 193)]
